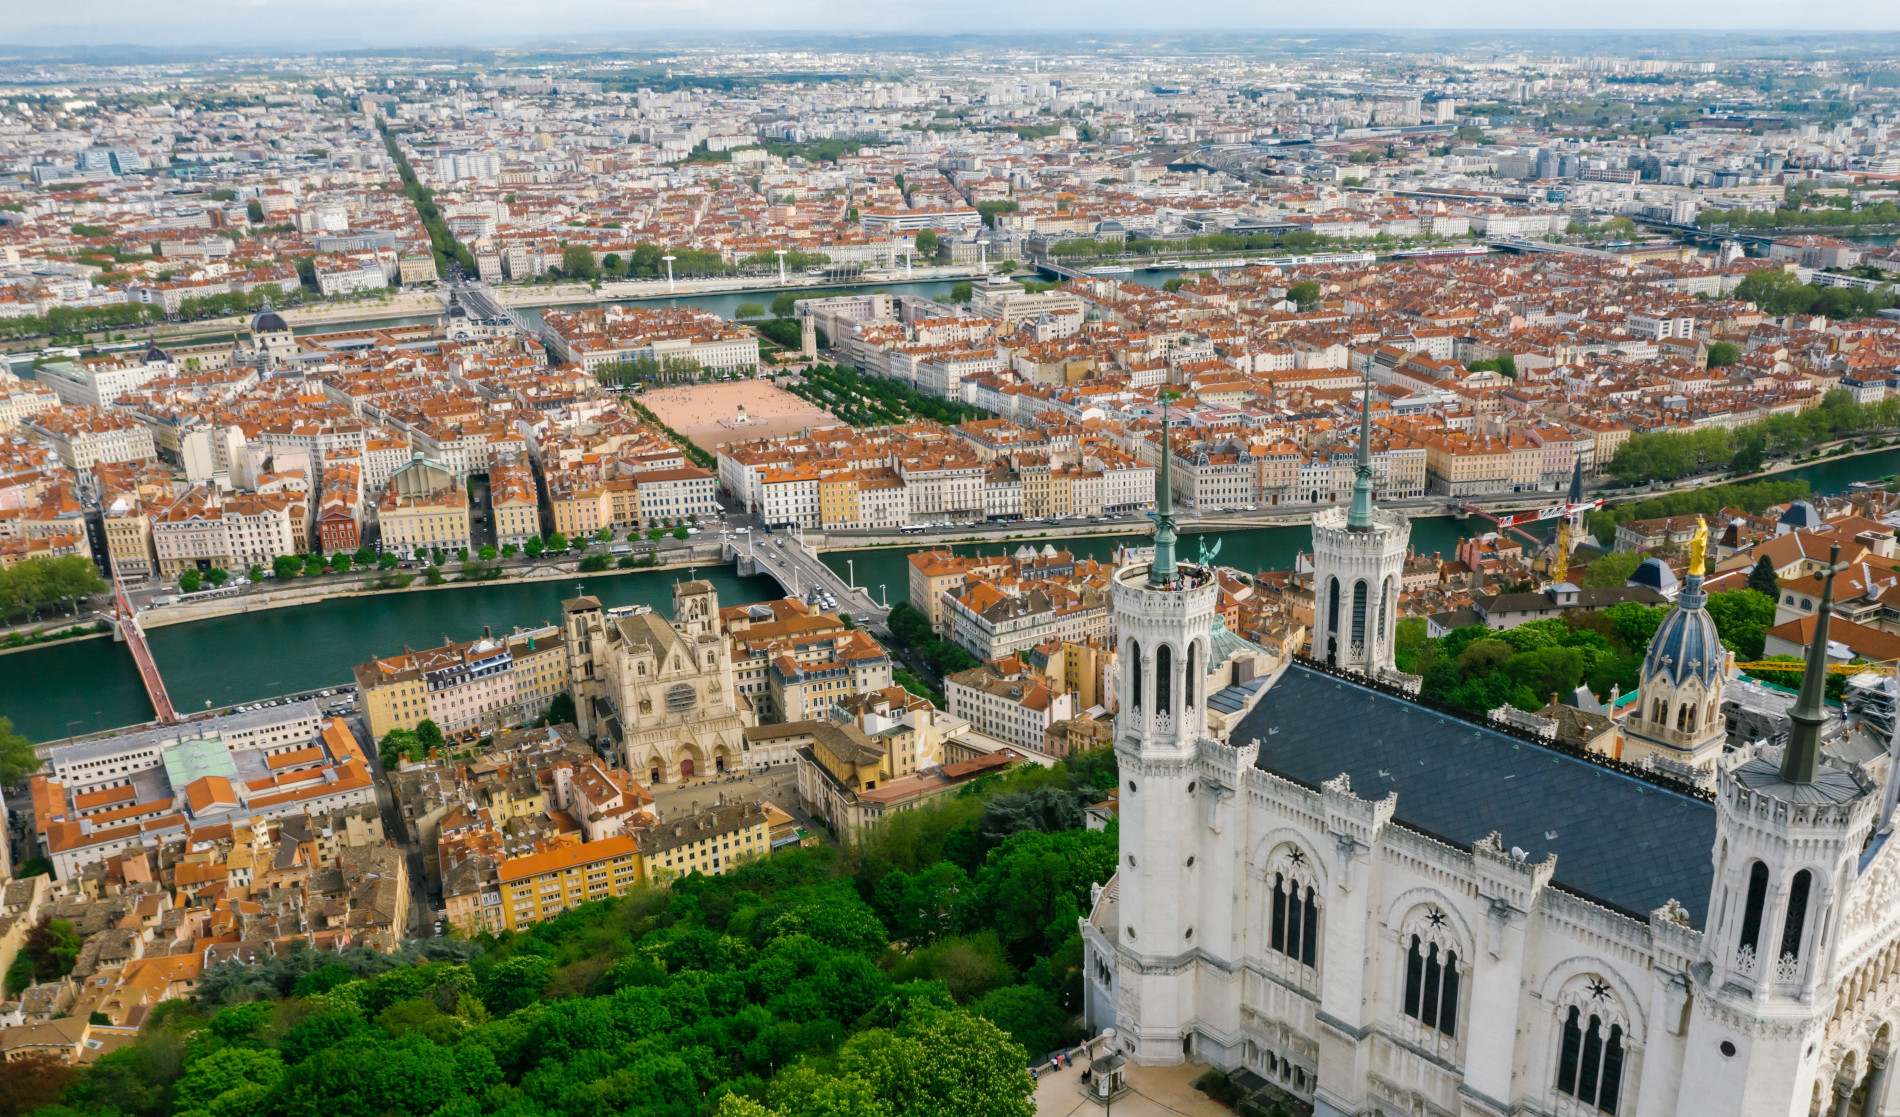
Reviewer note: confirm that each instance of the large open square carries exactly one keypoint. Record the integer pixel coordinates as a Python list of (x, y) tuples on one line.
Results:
[(734, 411)]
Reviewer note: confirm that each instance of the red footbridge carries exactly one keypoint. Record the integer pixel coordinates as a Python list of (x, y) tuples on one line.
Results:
[(127, 623)]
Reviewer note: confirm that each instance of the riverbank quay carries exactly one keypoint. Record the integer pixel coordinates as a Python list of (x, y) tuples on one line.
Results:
[(330, 587)]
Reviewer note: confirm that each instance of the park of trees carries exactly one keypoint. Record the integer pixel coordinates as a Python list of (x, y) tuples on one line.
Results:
[(1473, 670), (870, 401), (1780, 292), (1671, 455), (39, 585), (916, 972)]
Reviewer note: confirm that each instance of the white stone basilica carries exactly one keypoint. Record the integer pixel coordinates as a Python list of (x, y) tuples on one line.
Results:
[(1382, 909)]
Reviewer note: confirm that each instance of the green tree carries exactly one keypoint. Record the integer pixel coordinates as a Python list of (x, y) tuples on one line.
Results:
[(962, 293), (942, 1063), (433, 574), (1748, 459), (255, 210), (1742, 617), (1762, 579), (534, 546), (397, 744), (190, 581), (487, 553), (286, 566), (340, 562), (313, 565), (748, 310), (556, 542), (429, 735), (803, 1092), (1031, 1015), (217, 575), (1306, 293), (927, 243), (364, 556), (229, 1082), (561, 709), (785, 303), (1722, 354), (577, 262), (1611, 570), (680, 532), (17, 760), (516, 982)]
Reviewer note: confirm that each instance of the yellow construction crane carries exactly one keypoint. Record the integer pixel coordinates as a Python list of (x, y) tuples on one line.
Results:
[(1883, 668)]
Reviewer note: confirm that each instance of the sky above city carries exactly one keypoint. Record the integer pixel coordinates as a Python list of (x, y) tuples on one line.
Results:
[(355, 23)]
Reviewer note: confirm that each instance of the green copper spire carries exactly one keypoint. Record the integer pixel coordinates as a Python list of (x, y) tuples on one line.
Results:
[(1162, 569), (1802, 762), (1359, 517)]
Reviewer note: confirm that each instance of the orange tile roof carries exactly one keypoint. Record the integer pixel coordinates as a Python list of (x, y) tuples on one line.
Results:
[(554, 860)]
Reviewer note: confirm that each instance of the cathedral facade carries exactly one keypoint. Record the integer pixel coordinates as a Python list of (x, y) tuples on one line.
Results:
[(662, 693), (1379, 908)]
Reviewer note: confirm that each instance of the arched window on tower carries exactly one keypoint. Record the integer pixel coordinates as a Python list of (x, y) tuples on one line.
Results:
[(1385, 601), (1332, 608), (1590, 1063), (1659, 712), (1295, 924), (1798, 890), (1134, 657), (1431, 986), (1359, 594), (1751, 909), (1685, 717), (1187, 679), (1164, 680)]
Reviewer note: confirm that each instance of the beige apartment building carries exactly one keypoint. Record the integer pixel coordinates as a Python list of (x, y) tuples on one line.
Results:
[(512, 500), (204, 529), (83, 436), (478, 685)]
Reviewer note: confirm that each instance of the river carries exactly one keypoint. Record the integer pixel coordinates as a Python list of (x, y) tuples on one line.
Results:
[(88, 685)]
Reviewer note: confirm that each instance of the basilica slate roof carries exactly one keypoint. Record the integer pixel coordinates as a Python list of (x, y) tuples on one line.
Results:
[(1618, 839)]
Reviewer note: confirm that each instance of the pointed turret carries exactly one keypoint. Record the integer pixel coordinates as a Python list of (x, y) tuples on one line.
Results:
[(1802, 760)]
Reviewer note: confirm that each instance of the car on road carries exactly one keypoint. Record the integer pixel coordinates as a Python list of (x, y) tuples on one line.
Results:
[(742, 531)]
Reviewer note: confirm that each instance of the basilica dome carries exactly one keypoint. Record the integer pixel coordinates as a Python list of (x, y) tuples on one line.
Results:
[(1686, 644)]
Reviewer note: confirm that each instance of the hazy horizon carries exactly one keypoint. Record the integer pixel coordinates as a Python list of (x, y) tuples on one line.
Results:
[(364, 24)]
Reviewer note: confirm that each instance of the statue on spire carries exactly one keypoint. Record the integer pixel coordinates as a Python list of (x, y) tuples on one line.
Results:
[(1162, 570), (1359, 517)]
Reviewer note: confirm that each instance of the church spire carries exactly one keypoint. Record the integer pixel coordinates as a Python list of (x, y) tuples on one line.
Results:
[(1161, 571), (1359, 517), (1802, 760)]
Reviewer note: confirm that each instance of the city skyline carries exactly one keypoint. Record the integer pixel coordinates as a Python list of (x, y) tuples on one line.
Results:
[(357, 24)]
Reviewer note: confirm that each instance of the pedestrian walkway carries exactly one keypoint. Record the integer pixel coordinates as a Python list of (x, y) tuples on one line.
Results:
[(1152, 1092)]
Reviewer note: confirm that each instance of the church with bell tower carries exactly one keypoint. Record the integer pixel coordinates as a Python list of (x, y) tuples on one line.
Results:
[(1382, 909)]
